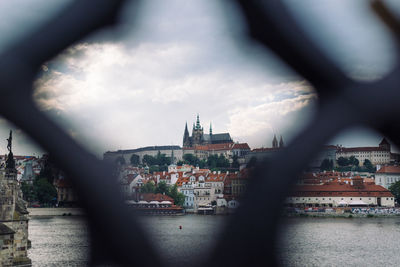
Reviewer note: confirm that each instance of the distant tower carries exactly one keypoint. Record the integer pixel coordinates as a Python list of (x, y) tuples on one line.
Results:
[(198, 122), (197, 134), (384, 144), (281, 144), (275, 142), (210, 129), (186, 137)]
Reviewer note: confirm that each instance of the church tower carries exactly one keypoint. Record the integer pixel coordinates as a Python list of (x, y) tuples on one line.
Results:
[(281, 144), (186, 137), (384, 144), (197, 134), (275, 142)]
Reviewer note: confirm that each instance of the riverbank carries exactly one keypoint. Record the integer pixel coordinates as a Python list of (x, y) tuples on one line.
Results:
[(34, 212)]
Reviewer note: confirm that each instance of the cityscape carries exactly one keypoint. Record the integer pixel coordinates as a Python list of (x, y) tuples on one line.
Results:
[(206, 175), (209, 133)]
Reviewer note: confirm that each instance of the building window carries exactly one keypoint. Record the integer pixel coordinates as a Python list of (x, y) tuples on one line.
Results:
[(360, 198), (351, 198)]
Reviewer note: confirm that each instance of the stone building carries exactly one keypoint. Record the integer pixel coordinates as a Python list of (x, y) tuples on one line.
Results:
[(379, 155), (66, 195), (387, 175), (265, 152), (13, 217), (175, 152), (334, 194), (198, 136)]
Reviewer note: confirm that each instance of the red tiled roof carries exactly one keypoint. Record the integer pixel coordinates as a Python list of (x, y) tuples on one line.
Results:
[(156, 197), (363, 149), (225, 146), (241, 146), (216, 177), (389, 169), (341, 189), (182, 180)]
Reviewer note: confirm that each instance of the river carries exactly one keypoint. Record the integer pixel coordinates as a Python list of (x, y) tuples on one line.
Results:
[(62, 241)]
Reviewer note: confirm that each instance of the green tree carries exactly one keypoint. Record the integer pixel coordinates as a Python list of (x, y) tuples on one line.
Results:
[(368, 166), (202, 164), (162, 188), (395, 189), (235, 162), (154, 168), (120, 160), (190, 159), (326, 165), (222, 162), (341, 161), (148, 187), (28, 192), (212, 161), (149, 160), (179, 198), (44, 191), (353, 161), (135, 160)]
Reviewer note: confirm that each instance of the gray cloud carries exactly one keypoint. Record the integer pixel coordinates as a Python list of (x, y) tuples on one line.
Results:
[(138, 87)]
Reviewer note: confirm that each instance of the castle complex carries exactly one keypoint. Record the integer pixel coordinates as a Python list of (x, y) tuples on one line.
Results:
[(200, 138)]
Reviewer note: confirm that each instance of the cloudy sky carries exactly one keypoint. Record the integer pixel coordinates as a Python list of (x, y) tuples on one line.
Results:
[(139, 86)]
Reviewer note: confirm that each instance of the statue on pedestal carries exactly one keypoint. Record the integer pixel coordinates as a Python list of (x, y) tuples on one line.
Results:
[(10, 162)]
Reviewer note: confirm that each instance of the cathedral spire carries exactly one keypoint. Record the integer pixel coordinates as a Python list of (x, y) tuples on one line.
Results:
[(186, 136), (281, 144), (198, 122), (274, 142), (210, 128)]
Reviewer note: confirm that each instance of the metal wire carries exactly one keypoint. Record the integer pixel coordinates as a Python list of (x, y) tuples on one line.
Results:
[(250, 235)]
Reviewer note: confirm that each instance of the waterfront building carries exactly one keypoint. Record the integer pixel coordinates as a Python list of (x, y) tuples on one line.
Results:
[(334, 194), (188, 190), (66, 195), (216, 181), (228, 150), (387, 175), (380, 155), (202, 194)]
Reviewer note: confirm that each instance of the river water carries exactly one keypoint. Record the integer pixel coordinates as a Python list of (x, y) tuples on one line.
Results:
[(62, 241)]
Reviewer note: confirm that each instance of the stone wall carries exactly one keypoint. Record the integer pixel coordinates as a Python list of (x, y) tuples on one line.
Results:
[(6, 245)]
